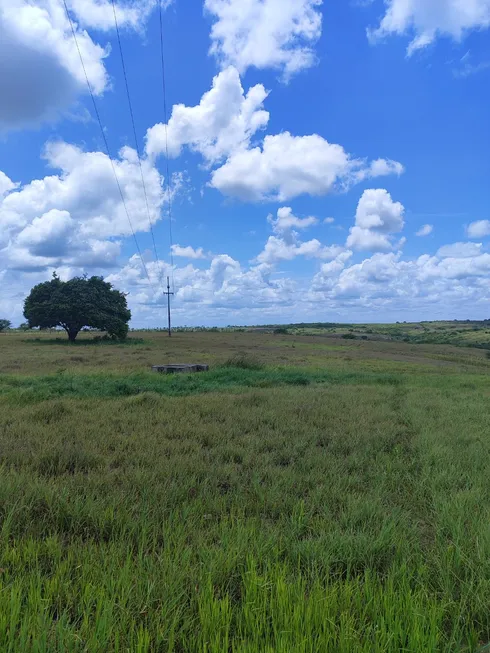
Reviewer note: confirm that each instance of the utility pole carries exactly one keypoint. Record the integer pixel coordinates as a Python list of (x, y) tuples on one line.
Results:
[(168, 293)]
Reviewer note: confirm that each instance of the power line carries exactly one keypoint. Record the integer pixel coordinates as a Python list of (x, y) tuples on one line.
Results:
[(167, 171), (89, 86), (136, 137)]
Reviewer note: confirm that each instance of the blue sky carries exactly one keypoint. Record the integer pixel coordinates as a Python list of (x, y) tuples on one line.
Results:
[(328, 160)]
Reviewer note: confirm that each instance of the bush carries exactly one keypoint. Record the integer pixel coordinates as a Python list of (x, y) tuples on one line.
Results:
[(244, 362), (281, 331), (348, 336)]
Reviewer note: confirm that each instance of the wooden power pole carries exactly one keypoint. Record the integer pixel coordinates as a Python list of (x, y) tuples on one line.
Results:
[(168, 293)]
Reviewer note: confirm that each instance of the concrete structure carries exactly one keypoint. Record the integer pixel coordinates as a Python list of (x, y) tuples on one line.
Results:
[(180, 367)]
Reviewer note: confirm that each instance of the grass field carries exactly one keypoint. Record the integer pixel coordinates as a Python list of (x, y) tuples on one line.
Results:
[(305, 495)]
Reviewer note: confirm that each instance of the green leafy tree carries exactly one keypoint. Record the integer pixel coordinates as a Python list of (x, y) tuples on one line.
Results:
[(77, 303), (4, 325)]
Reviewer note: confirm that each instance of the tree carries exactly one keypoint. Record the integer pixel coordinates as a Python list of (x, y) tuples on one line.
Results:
[(77, 303), (4, 325)]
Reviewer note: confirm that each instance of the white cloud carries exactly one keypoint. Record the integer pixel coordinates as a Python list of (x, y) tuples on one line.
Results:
[(286, 245), (279, 249), (384, 286), (479, 229), (222, 126), (287, 166), (188, 252), (98, 14), (460, 250), (384, 167), (377, 217), (224, 285), (425, 230), (329, 220), (226, 118), (428, 19), (275, 34), (367, 239), (6, 184), (77, 216), (387, 285), (286, 221), (40, 70)]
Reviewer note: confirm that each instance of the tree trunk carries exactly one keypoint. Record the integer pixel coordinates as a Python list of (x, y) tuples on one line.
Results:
[(72, 334)]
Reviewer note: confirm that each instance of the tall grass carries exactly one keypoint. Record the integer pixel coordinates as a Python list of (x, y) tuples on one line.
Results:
[(348, 513)]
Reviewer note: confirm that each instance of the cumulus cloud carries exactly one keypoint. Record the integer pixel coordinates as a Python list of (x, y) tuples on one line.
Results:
[(77, 217), (382, 284), (188, 252), (275, 34), (279, 249), (377, 218), (222, 127), (225, 118), (425, 230), (386, 283), (40, 70), (384, 167), (285, 220), (224, 285), (287, 166), (286, 245), (479, 229), (452, 283), (428, 19)]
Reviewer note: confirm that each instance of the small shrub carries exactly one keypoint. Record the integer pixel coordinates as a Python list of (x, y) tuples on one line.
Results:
[(244, 362), (348, 336), (281, 331)]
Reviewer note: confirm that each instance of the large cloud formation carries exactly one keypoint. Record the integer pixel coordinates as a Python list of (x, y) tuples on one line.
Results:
[(287, 166), (222, 127), (225, 119), (76, 217)]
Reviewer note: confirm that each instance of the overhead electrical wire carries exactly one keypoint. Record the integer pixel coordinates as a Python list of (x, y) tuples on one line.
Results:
[(106, 144), (167, 171), (136, 139)]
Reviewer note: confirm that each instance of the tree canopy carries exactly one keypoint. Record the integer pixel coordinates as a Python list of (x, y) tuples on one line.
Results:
[(77, 303), (4, 325)]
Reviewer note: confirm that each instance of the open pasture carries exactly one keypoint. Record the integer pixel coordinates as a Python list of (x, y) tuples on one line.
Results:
[(306, 494)]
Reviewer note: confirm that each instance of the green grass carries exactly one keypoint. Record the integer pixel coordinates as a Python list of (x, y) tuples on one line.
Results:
[(226, 379), (340, 503)]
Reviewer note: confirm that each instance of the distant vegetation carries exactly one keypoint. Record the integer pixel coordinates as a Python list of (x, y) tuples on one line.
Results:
[(4, 325), (465, 333)]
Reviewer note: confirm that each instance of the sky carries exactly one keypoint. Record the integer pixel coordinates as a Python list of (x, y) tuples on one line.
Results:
[(309, 160)]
